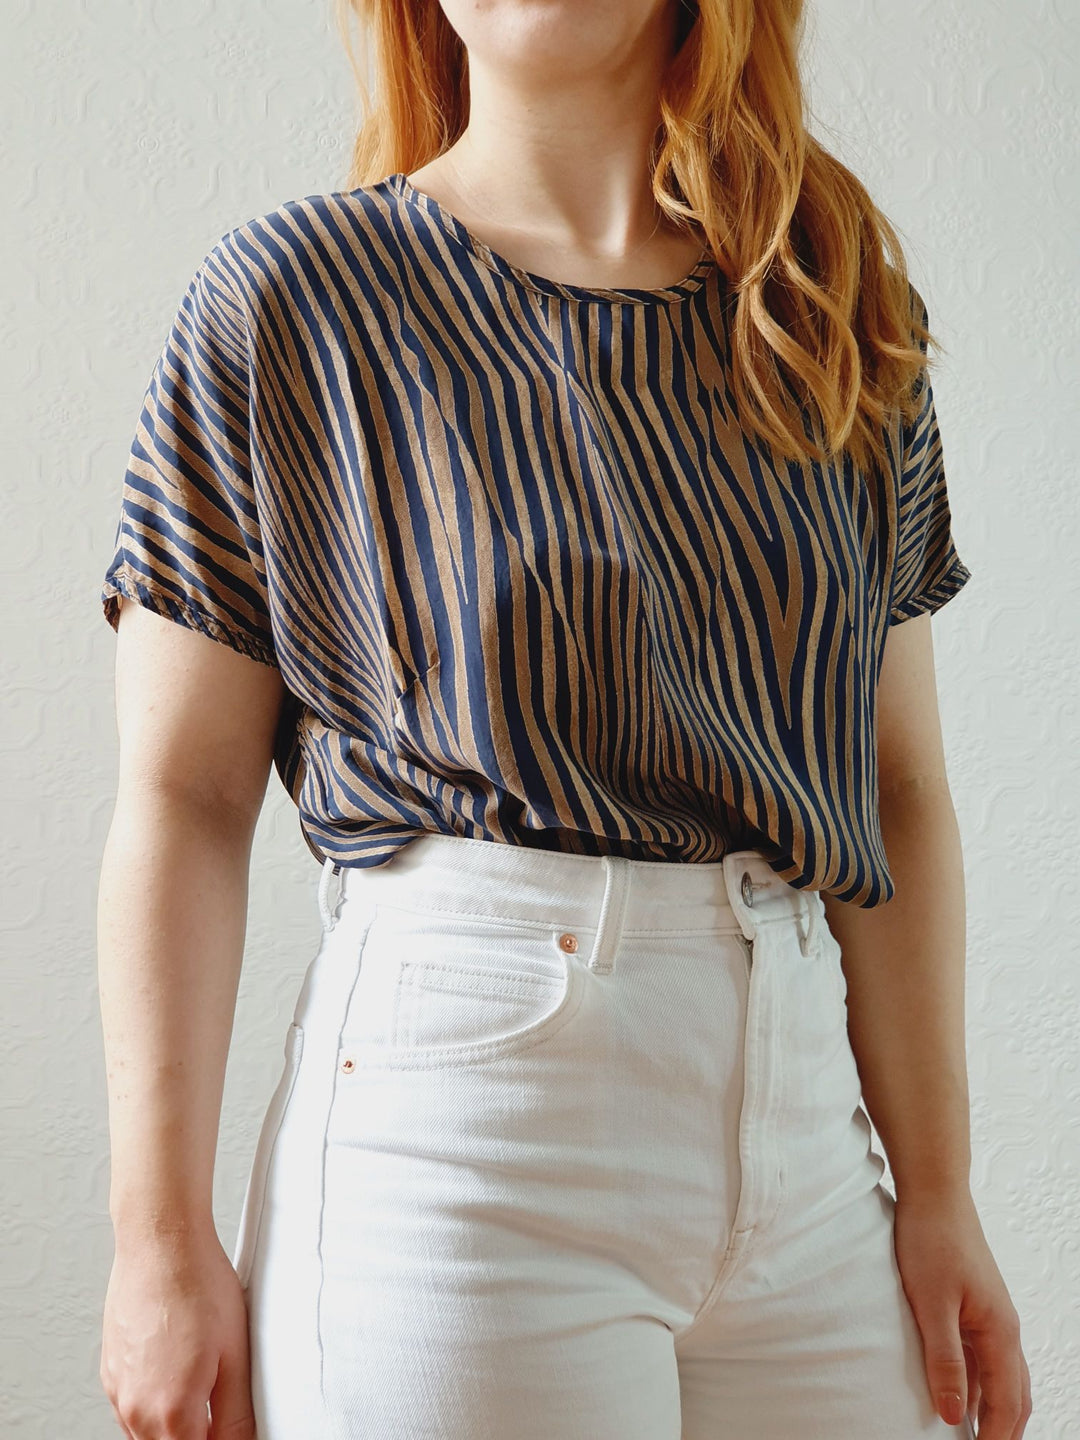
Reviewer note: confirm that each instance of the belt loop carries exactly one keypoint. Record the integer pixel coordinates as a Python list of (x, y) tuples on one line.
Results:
[(328, 916), (612, 909)]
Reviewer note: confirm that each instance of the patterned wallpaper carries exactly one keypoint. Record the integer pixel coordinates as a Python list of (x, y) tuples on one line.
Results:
[(136, 135), (964, 119)]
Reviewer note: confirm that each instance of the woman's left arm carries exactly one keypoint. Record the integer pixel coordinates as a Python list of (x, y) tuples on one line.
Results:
[(905, 967)]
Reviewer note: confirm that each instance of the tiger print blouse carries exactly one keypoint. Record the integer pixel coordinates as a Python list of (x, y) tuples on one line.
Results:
[(524, 576)]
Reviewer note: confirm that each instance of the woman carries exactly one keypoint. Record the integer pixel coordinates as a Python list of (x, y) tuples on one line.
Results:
[(566, 501)]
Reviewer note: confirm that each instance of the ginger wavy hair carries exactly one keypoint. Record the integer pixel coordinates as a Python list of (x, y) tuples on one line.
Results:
[(829, 336)]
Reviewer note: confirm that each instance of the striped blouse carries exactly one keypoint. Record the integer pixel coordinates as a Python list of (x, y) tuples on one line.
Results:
[(524, 576)]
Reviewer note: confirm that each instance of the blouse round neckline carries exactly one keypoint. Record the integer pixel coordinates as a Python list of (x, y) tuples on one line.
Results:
[(456, 228)]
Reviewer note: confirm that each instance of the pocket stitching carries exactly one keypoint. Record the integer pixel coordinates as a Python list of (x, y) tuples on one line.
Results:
[(493, 981), (375, 1055)]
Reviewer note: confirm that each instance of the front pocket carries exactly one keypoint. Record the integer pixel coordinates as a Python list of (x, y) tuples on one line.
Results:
[(436, 989)]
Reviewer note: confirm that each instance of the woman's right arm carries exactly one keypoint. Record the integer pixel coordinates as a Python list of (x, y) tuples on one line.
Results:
[(196, 722)]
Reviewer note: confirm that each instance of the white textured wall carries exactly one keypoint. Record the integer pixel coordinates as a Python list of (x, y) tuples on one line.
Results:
[(135, 136)]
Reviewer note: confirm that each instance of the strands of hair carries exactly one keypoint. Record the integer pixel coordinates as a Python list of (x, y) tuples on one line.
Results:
[(829, 336)]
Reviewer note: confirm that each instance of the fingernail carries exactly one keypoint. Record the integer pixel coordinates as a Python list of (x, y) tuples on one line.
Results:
[(952, 1407)]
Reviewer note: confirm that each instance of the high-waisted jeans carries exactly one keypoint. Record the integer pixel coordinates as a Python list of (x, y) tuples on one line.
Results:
[(571, 1147)]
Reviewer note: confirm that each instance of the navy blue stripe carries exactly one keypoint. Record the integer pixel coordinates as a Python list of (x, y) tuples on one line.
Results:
[(524, 574)]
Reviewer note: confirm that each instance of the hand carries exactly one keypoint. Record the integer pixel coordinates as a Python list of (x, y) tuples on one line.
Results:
[(970, 1329), (175, 1340)]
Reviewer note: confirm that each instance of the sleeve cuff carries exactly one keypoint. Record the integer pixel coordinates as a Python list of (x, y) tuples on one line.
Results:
[(246, 642), (931, 597)]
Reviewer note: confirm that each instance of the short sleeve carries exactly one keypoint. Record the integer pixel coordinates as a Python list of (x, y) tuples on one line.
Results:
[(187, 541), (929, 570)]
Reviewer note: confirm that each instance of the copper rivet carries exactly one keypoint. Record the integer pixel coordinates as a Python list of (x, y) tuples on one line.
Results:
[(347, 1064), (568, 942)]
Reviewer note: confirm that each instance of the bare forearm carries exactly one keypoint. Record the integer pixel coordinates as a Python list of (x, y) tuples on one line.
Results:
[(905, 966), (172, 907)]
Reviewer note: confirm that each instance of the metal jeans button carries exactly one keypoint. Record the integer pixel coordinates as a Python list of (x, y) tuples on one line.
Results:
[(747, 889)]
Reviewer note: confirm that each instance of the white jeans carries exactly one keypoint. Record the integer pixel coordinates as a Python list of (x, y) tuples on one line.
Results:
[(571, 1147)]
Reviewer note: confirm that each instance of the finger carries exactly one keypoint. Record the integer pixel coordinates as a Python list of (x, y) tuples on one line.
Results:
[(974, 1389), (231, 1414), (945, 1362), (998, 1354), (129, 1434), (1025, 1399), (161, 1416)]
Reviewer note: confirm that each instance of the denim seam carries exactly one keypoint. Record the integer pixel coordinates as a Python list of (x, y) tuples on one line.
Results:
[(329, 1107)]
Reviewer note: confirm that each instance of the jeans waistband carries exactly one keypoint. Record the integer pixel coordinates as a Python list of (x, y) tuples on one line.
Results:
[(461, 875)]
